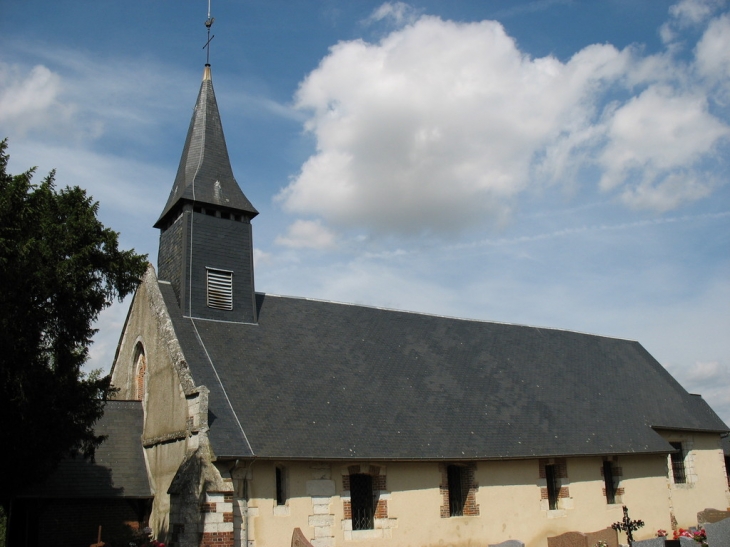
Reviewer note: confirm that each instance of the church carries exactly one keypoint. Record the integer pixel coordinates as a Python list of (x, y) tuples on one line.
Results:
[(267, 416)]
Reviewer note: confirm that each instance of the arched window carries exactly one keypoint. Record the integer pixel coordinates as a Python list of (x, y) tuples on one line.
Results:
[(140, 373)]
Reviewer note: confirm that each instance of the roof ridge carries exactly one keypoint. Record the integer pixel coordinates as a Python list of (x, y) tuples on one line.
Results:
[(471, 319)]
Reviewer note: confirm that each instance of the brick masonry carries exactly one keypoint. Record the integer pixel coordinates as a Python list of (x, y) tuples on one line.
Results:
[(217, 539), (217, 520), (561, 467), (563, 493)]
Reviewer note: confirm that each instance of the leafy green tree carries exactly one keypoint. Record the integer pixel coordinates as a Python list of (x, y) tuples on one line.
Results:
[(59, 267)]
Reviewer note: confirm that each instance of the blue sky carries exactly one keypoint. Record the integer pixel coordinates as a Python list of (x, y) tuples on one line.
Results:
[(553, 163)]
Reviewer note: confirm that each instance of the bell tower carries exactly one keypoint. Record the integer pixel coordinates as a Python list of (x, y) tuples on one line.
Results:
[(206, 246)]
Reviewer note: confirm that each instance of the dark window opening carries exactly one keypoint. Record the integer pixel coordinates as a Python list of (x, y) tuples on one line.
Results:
[(237, 218), (197, 209), (727, 469), (678, 464), (609, 482), (363, 502), (458, 479), (209, 212), (553, 488), (227, 216), (280, 486)]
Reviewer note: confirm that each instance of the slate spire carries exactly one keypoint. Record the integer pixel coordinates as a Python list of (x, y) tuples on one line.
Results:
[(204, 175), (206, 241)]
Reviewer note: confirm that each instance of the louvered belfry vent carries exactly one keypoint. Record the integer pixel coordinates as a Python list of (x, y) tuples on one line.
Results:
[(220, 289)]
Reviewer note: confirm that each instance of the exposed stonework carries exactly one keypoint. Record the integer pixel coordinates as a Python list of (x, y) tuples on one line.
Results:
[(163, 324), (176, 421), (321, 489)]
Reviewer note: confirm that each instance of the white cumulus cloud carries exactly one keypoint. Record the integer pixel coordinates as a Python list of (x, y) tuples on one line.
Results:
[(655, 137), (442, 116), (438, 117)]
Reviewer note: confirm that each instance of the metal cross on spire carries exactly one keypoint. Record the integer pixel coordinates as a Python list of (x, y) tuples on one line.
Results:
[(208, 24)]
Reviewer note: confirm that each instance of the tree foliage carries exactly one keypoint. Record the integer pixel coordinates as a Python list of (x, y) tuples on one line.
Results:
[(59, 267)]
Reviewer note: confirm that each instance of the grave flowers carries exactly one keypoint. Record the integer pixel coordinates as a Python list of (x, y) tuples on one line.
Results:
[(698, 535)]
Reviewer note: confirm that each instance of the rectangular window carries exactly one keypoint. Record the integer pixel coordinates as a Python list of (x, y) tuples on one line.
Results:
[(220, 289), (727, 469), (553, 488), (609, 482), (458, 489), (280, 485), (677, 458), (363, 502)]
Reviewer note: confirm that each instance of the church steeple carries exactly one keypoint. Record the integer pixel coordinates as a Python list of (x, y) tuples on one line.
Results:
[(204, 175), (206, 248)]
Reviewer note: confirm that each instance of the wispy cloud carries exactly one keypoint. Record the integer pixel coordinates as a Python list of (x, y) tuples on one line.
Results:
[(307, 234), (530, 7), (398, 13)]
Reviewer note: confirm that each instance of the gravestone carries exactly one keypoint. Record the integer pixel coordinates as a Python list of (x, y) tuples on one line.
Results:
[(653, 542), (687, 542), (508, 543), (711, 515), (718, 533), (579, 539), (569, 539)]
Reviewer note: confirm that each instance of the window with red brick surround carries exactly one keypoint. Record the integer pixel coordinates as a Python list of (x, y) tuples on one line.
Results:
[(458, 490), (611, 474), (356, 477), (552, 470)]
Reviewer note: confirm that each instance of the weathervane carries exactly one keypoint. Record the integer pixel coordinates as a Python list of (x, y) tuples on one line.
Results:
[(208, 24)]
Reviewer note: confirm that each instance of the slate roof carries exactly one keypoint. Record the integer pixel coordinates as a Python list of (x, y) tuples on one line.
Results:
[(205, 175), (322, 380), (119, 470)]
